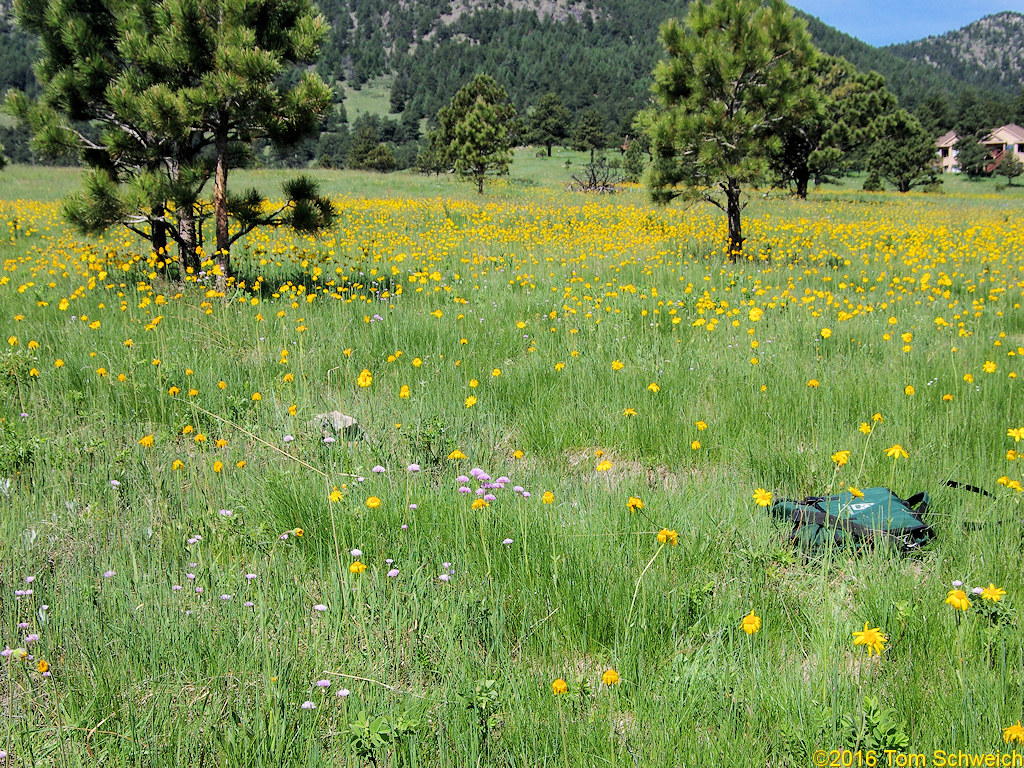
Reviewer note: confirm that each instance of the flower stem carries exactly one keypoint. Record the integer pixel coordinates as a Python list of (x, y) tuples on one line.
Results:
[(640, 578)]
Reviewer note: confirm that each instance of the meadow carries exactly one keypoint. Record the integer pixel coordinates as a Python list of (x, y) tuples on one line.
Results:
[(548, 545)]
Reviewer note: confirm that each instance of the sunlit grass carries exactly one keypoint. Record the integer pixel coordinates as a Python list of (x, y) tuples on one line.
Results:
[(193, 542)]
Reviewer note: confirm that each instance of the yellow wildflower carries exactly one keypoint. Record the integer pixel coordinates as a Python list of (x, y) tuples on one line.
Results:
[(1014, 733), (751, 623), (958, 599), (872, 638), (897, 452), (993, 593)]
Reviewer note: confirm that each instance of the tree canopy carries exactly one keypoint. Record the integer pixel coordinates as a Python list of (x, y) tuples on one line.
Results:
[(835, 134), (473, 130), (733, 74), (172, 91), (904, 153), (972, 156), (548, 122)]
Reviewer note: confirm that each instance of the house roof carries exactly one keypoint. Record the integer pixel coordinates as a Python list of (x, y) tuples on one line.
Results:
[(947, 140), (1006, 134)]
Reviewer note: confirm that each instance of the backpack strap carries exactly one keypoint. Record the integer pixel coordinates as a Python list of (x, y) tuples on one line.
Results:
[(918, 504), (966, 487)]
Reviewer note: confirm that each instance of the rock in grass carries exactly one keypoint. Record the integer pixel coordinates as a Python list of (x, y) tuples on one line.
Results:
[(334, 423)]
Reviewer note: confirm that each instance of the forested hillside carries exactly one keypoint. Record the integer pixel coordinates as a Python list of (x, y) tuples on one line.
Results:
[(594, 54)]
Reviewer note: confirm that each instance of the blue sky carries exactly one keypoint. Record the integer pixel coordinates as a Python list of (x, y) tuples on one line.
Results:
[(881, 22)]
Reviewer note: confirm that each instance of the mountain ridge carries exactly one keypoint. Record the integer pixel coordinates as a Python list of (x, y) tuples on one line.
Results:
[(989, 51)]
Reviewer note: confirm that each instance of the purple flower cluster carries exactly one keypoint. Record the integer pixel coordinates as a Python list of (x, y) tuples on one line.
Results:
[(487, 485)]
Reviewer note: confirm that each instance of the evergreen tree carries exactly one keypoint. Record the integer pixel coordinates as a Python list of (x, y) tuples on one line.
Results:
[(164, 82), (380, 159), (934, 113), (238, 98), (732, 76), (433, 155), (634, 162), (1010, 166), (589, 133), (835, 129), (481, 145), (905, 153), (104, 104), (365, 139), (482, 87), (971, 115), (332, 148), (973, 157), (548, 122), (473, 130)]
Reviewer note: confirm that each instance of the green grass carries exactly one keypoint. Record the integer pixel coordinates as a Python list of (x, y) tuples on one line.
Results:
[(548, 289), (373, 98)]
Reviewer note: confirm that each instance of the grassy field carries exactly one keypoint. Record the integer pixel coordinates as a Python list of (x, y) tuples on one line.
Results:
[(373, 98), (545, 547)]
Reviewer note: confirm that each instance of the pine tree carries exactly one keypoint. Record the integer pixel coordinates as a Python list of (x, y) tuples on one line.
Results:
[(481, 145), (548, 122), (904, 154), (365, 139), (237, 98), (836, 129), (973, 157), (733, 75), (1010, 166), (634, 162), (589, 133), (473, 131), (482, 87), (433, 155), (164, 82)]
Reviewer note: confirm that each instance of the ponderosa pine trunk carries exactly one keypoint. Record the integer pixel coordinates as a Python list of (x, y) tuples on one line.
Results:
[(188, 258), (802, 177), (732, 210), (220, 210)]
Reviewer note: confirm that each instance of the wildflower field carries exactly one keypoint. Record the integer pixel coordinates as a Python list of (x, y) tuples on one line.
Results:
[(548, 541)]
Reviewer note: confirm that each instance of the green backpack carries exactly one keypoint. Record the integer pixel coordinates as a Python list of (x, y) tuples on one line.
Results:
[(879, 516)]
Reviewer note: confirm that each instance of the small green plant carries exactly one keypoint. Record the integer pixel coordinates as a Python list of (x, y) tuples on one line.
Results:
[(366, 735), (875, 727), (483, 701), (16, 366), (17, 450), (430, 441)]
